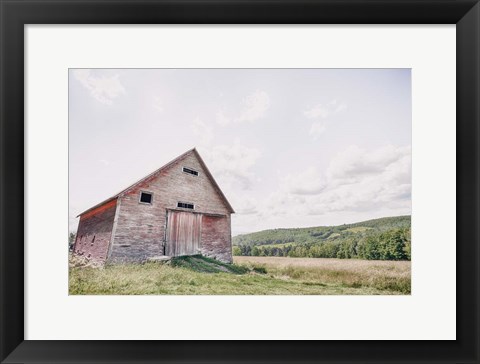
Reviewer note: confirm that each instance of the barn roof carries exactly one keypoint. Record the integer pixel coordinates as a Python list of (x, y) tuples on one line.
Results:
[(207, 171)]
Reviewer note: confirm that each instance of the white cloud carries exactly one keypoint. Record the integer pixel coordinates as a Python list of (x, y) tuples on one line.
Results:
[(360, 179), (319, 113), (355, 163), (254, 107), (231, 165), (103, 89), (307, 183), (357, 180), (104, 162), (222, 119), (357, 185), (323, 111), (243, 204), (202, 131), (157, 104), (318, 128)]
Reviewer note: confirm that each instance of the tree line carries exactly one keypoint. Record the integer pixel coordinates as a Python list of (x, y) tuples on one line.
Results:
[(393, 244)]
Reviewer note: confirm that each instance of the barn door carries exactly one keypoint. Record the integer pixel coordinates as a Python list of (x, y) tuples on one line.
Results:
[(183, 233)]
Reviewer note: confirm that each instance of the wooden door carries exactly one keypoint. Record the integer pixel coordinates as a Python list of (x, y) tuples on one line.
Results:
[(183, 233)]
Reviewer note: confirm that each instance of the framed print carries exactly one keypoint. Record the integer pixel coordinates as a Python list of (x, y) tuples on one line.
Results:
[(202, 210), (239, 181)]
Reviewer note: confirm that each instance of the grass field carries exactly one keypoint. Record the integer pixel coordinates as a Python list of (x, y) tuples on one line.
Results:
[(248, 276)]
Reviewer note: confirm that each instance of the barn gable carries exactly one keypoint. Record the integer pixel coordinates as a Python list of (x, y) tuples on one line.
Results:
[(189, 160), (164, 168)]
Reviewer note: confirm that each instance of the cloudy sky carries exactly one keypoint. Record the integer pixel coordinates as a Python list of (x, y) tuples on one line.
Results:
[(289, 147)]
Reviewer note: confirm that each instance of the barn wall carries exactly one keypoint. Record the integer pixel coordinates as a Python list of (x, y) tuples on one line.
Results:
[(140, 230), (216, 238), (94, 232)]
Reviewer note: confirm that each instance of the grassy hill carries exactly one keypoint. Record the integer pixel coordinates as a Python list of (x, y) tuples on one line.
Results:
[(387, 238)]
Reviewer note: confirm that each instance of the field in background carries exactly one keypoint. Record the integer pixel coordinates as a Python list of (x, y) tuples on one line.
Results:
[(248, 276)]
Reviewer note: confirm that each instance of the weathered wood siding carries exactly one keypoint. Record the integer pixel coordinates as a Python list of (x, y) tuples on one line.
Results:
[(94, 232), (183, 233), (140, 230)]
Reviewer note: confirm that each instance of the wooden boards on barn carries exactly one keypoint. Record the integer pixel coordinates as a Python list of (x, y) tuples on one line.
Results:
[(183, 233)]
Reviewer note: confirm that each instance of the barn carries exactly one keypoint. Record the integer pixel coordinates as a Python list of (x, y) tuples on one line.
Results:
[(177, 210)]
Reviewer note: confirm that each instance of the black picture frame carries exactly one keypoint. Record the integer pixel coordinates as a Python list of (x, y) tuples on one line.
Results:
[(16, 13)]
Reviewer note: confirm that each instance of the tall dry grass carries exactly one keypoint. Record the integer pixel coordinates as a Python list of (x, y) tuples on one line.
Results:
[(355, 273)]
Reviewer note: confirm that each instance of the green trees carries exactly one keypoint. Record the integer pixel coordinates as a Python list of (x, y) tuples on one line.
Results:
[(393, 244), (383, 239), (408, 250), (370, 248), (347, 249), (407, 246), (236, 250)]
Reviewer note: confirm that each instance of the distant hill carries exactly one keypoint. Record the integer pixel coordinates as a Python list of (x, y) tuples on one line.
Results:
[(320, 233), (342, 241)]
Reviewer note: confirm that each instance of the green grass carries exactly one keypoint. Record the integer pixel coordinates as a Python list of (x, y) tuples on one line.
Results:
[(268, 276), (202, 264)]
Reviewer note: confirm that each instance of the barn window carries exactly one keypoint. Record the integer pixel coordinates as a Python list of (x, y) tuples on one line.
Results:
[(145, 197), (190, 171), (186, 205)]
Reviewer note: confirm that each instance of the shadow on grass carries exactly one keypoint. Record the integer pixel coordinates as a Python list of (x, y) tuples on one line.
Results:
[(199, 263)]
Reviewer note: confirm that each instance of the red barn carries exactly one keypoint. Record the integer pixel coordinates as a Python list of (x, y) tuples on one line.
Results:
[(177, 210)]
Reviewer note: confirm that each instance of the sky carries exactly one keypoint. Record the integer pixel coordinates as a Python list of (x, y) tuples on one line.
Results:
[(288, 147)]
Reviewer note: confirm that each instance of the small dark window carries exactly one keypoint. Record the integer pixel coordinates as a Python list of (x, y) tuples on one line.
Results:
[(185, 205), (146, 197), (191, 171)]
